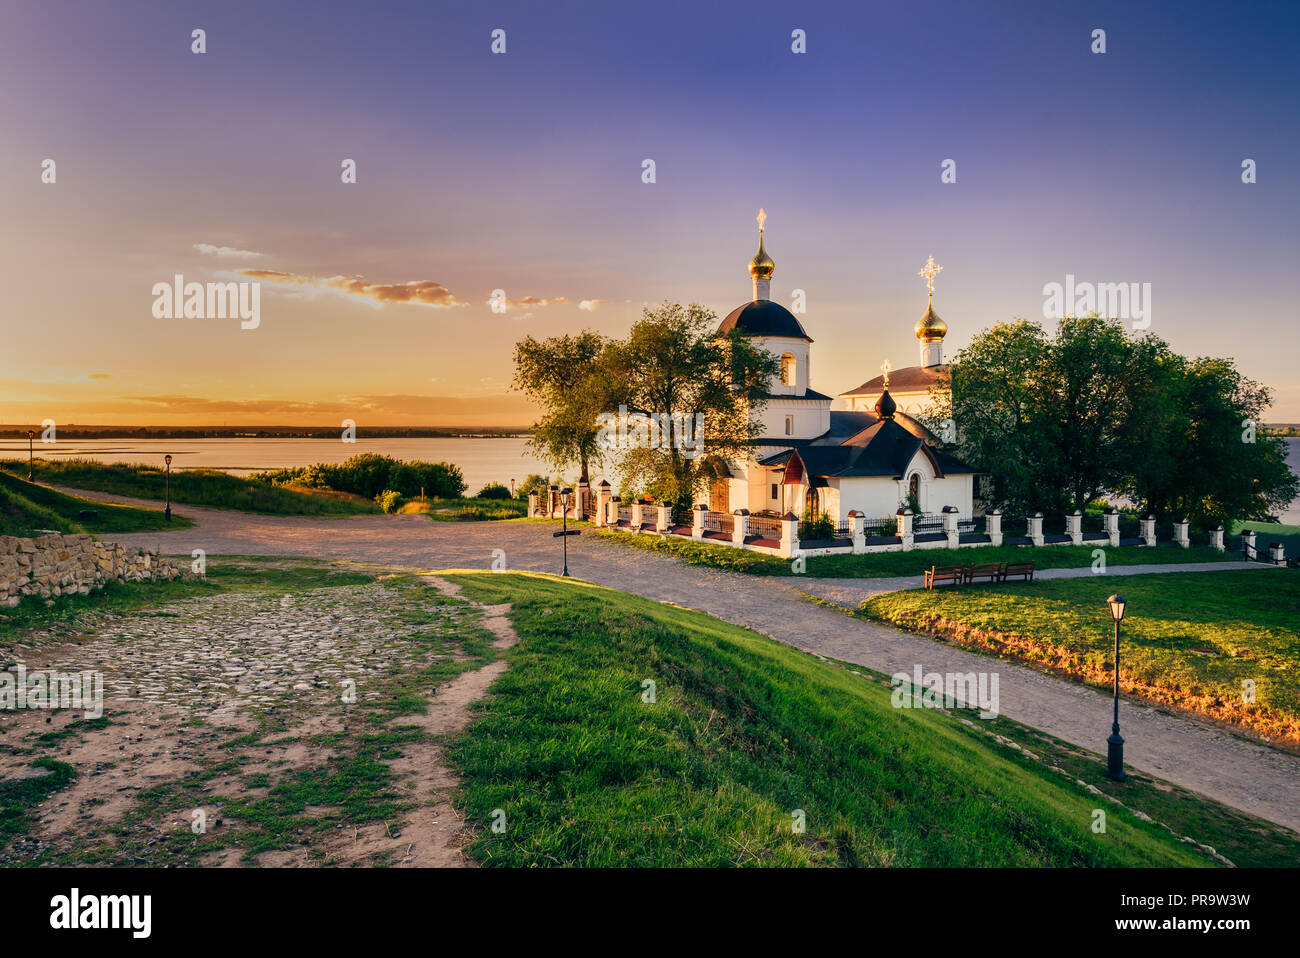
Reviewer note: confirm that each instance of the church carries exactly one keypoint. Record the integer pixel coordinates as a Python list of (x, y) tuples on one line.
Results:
[(872, 457)]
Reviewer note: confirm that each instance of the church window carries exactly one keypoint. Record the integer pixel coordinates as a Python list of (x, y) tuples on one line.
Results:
[(789, 425), (914, 487), (776, 493), (787, 370)]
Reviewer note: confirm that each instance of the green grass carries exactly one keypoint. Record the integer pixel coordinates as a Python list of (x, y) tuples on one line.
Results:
[(743, 732), (468, 509), (18, 797), (27, 507), (198, 487), (915, 562), (1189, 639)]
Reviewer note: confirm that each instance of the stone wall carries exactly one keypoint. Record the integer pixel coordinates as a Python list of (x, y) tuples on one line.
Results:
[(54, 565)]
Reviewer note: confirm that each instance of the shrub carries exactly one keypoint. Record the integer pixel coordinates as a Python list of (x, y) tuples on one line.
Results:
[(493, 490), (389, 500), (534, 483), (816, 527)]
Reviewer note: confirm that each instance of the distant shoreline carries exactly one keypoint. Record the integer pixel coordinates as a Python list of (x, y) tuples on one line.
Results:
[(73, 431)]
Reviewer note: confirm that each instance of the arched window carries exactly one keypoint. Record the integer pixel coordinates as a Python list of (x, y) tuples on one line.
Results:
[(787, 369), (914, 487)]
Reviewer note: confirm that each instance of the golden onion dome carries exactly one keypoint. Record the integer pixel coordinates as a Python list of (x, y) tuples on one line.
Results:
[(930, 328), (761, 266)]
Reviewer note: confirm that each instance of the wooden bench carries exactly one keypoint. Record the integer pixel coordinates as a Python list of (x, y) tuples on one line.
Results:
[(944, 573), (992, 571), (1024, 570)]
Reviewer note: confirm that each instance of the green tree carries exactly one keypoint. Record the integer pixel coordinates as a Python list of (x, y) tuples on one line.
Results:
[(703, 390), (564, 375)]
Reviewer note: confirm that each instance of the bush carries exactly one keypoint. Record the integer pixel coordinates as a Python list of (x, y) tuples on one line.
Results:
[(370, 474), (534, 483), (819, 527), (388, 500), (493, 490)]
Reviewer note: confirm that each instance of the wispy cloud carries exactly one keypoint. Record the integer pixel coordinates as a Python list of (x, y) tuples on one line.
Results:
[(207, 249), (532, 301), (591, 305), (420, 292)]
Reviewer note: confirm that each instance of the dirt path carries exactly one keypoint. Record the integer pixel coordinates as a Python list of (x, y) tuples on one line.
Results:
[(1196, 755)]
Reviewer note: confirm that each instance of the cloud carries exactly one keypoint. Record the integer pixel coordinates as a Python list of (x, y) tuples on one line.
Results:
[(531, 301), (227, 251), (591, 305), (419, 292), (99, 376)]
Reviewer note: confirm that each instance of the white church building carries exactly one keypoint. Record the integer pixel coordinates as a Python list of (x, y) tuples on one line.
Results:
[(871, 457)]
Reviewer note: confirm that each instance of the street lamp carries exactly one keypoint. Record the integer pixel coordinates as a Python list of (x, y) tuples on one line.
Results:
[(1115, 744), (31, 434), (167, 513), (512, 488), (565, 532)]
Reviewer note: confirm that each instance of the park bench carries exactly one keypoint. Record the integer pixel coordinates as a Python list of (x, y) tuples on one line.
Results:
[(1024, 570), (992, 571), (944, 573)]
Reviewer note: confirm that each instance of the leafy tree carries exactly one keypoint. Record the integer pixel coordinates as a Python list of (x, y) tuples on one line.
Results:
[(563, 375), (704, 391)]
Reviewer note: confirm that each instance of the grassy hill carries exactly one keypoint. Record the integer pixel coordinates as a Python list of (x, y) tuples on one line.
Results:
[(26, 507), (198, 487), (744, 732)]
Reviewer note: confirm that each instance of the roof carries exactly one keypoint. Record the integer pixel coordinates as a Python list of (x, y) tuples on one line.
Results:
[(806, 394), (763, 317), (845, 425), (883, 448), (908, 379)]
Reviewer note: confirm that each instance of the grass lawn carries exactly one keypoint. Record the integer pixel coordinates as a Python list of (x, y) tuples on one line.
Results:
[(26, 507), (916, 562), (1190, 640), (742, 733), (467, 510), (198, 487)]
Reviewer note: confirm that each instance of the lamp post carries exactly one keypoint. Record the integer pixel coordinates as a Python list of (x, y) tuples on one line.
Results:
[(31, 434), (565, 532), (512, 488), (1115, 744), (167, 513)]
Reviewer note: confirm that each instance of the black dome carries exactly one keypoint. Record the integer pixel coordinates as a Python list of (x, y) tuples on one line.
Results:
[(763, 318)]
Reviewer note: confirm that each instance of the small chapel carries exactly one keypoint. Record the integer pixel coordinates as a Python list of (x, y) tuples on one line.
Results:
[(872, 457)]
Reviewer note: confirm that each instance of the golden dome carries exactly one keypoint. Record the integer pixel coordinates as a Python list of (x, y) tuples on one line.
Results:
[(761, 266), (930, 328)]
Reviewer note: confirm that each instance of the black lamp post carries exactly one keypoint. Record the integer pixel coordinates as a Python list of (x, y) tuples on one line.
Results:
[(31, 434), (1115, 744), (167, 513), (564, 526), (512, 488)]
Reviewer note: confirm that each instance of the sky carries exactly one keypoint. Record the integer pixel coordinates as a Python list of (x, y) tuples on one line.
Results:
[(523, 172)]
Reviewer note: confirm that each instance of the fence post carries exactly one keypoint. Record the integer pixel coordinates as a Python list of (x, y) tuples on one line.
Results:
[(697, 521), (637, 518), (950, 525), (1149, 531), (1180, 533), (1216, 538), (602, 502), (580, 500), (614, 503), (857, 532), (665, 517), (534, 505), (1277, 553), (740, 527), (552, 500), (790, 535), (904, 517), (1248, 544), (1074, 527), (993, 526), (1112, 527), (1035, 530)]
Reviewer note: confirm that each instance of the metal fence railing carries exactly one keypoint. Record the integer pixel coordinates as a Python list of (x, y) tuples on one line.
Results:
[(719, 522)]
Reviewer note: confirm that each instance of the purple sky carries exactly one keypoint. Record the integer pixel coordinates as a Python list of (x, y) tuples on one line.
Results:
[(523, 172)]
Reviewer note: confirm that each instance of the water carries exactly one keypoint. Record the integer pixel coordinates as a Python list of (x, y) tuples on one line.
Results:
[(480, 460)]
